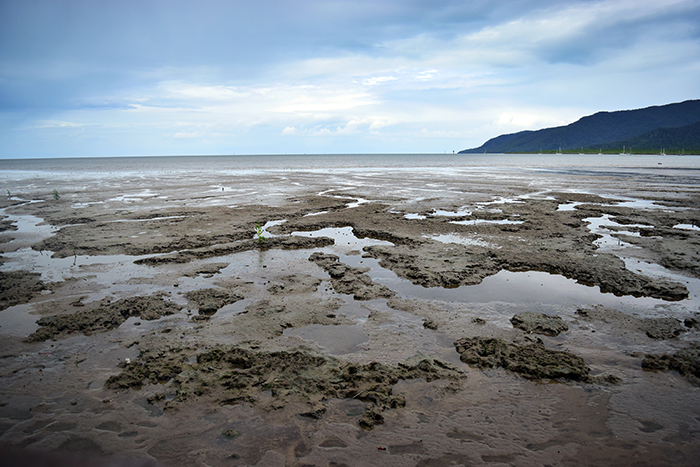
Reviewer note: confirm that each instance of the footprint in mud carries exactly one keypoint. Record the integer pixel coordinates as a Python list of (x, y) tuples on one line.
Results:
[(333, 443), (109, 426), (650, 426)]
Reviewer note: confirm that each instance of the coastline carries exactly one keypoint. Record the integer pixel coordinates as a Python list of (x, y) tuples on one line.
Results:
[(397, 255)]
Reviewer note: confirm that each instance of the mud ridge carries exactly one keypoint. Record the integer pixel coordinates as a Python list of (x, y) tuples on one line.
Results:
[(105, 317), (530, 359), (232, 375)]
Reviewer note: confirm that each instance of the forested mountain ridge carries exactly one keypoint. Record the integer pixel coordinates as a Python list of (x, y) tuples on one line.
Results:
[(673, 127)]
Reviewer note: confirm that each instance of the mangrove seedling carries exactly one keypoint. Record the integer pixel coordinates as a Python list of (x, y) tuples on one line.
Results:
[(56, 196), (259, 233)]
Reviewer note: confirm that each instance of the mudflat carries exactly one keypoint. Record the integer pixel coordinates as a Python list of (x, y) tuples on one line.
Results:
[(353, 317)]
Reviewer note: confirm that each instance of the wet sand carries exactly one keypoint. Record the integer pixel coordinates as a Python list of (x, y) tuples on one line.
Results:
[(387, 317)]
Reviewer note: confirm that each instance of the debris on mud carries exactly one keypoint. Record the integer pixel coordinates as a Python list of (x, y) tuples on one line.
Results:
[(655, 328), (231, 375), (18, 287), (685, 361), (539, 323), (350, 280), (530, 359), (105, 317)]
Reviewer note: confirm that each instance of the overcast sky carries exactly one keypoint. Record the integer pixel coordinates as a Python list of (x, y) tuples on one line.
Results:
[(145, 77)]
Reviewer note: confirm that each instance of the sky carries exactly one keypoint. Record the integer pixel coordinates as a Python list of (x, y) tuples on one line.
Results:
[(82, 78)]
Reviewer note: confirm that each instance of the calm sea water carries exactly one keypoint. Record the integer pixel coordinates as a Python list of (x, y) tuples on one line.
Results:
[(8, 167)]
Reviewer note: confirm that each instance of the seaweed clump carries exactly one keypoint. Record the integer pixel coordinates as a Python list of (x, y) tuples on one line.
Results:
[(239, 375)]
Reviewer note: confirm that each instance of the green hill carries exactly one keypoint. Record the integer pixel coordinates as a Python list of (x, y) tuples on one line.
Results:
[(672, 126), (685, 139)]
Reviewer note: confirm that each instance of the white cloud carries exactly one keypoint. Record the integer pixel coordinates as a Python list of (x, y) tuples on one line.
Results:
[(187, 134), (375, 80), (537, 67), (57, 124), (516, 121)]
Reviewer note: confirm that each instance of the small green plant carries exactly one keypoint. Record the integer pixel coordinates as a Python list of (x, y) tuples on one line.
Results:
[(259, 233), (9, 195), (56, 196)]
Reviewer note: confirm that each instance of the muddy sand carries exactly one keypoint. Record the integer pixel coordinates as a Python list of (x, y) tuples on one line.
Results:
[(396, 318)]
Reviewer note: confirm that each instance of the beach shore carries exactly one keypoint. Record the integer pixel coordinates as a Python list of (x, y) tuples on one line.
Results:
[(373, 318)]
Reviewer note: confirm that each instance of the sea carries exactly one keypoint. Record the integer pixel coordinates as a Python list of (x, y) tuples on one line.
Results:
[(275, 162)]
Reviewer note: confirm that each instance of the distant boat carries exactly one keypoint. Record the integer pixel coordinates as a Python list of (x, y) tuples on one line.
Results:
[(559, 151), (623, 153)]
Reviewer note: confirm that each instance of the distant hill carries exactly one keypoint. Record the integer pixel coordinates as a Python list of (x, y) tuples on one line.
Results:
[(671, 140), (674, 127)]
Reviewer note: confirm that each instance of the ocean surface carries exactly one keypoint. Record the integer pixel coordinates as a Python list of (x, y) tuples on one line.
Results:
[(222, 164)]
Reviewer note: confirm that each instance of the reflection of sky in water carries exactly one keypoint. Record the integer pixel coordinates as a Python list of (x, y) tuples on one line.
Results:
[(336, 340), (686, 227), (461, 240), (608, 243), (487, 221)]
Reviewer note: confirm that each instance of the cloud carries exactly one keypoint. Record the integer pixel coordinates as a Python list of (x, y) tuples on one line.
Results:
[(527, 120), (367, 73), (377, 80), (186, 134)]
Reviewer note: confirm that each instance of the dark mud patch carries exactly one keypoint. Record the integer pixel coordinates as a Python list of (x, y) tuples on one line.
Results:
[(655, 328), (685, 361), (105, 317), (530, 359), (539, 323), (18, 287), (350, 280), (7, 226), (209, 301), (232, 375), (287, 243)]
